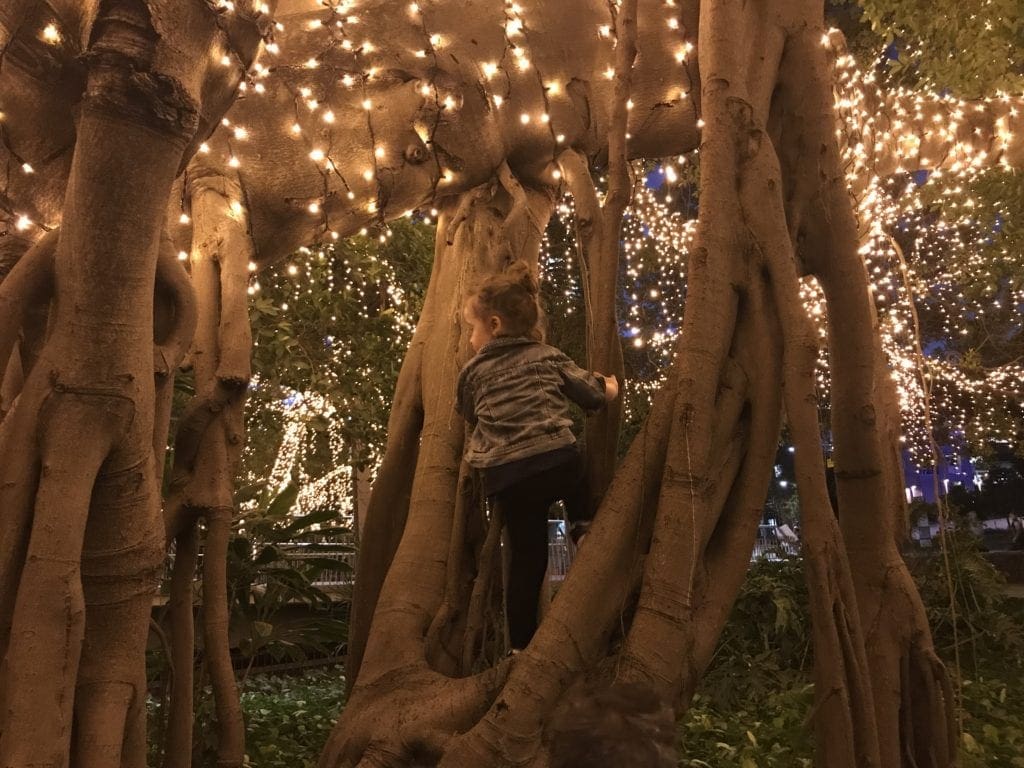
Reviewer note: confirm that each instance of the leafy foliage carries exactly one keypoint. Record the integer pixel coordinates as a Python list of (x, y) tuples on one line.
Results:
[(986, 624), (335, 322), (768, 732), (757, 698), (268, 573), (756, 701), (973, 47), (766, 645), (288, 719)]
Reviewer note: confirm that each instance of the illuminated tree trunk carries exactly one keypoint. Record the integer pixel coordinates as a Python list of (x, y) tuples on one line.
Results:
[(502, 221), (912, 692), (425, 611), (208, 448), (672, 538), (81, 540), (81, 543)]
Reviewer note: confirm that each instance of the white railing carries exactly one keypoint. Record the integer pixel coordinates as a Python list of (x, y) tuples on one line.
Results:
[(559, 559), (770, 544), (329, 577)]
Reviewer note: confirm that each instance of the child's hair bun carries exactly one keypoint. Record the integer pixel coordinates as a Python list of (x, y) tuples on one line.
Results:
[(520, 273)]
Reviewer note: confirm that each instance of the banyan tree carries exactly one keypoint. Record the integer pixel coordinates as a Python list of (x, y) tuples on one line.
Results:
[(157, 153)]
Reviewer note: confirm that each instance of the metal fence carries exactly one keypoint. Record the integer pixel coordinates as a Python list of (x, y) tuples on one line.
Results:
[(772, 543), (343, 575)]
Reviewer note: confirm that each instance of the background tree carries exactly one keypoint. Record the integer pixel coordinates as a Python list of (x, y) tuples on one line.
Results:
[(330, 327)]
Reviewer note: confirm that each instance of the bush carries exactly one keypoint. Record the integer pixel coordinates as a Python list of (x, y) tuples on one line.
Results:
[(287, 719), (754, 707), (757, 696)]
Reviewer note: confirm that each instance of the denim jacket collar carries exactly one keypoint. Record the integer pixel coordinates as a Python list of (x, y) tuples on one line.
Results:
[(499, 344)]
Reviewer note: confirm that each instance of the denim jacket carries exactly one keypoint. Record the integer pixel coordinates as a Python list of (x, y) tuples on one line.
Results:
[(516, 393)]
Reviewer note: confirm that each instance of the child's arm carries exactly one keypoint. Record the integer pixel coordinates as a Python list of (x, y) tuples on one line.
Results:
[(464, 401), (586, 389)]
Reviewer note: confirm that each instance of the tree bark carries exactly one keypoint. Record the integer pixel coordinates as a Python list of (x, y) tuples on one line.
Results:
[(87, 574), (912, 694), (208, 448), (421, 597)]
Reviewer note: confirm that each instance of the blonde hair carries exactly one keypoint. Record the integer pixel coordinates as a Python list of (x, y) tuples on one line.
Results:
[(512, 296)]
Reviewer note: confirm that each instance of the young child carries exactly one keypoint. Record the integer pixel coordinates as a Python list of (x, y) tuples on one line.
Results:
[(516, 392)]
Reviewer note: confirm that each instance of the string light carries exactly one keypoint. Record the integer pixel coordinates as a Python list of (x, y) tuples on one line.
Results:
[(959, 141)]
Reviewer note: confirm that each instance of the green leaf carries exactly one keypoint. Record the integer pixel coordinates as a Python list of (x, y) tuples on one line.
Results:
[(282, 504), (313, 518), (969, 743)]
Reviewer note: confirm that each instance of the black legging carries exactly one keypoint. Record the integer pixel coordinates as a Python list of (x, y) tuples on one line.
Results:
[(524, 506)]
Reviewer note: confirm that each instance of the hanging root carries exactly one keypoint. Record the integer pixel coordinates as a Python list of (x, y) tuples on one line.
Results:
[(207, 449), (488, 572), (178, 742), (867, 470), (444, 642), (19, 479), (751, 400), (49, 600), (597, 236), (846, 733), (217, 648), (28, 286), (465, 207), (121, 562), (521, 213), (389, 499), (174, 323), (659, 642), (176, 301), (916, 703), (930, 727)]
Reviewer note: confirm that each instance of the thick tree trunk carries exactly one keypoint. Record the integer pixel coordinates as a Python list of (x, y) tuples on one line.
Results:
[(207, 451), (81, 542), (911, 690), (675, 528), (513, 230), (89, 547), (426, 598)]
